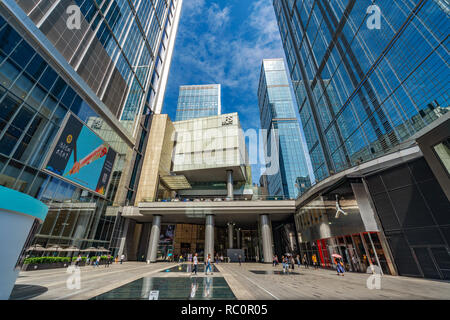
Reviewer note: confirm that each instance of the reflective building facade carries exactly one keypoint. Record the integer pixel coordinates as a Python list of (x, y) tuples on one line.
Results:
[(199, 101), (110, 73), (365, 92), (278, 117), (373, 102)]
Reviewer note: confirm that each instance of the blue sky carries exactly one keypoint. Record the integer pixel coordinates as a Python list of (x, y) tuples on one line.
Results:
[(224, 42)]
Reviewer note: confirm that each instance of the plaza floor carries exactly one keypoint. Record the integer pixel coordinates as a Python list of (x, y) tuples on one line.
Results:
[(250, 281)]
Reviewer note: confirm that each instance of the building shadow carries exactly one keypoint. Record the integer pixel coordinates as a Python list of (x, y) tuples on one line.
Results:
[(26, 291)]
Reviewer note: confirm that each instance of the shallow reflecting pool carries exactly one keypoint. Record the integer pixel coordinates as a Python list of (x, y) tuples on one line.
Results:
[(172, 288), (188, 268), (273, 272)]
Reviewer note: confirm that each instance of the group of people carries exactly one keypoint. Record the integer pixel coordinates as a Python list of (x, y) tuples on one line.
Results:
[(219, 258), (208, 264), (96, 261), (289, 262)]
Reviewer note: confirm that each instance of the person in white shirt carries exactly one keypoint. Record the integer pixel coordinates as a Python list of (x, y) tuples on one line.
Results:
[(122, 257), (195, 262)]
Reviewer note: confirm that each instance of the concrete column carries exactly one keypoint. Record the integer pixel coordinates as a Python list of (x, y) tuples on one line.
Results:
[(266, 236), (230, 234), (238, 237), (209, 236), (154, 239), (124, 237), (230, 184)]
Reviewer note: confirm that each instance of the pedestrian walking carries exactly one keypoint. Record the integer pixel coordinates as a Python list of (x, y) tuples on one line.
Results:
[(239, 259), (274, 261), (208, 264), (339, 266), (88, 260), (97, 262), (108, 261), (297, 258), (305, 261), (195, 263), (314, 260), (77, 262), (292, 263), (286, 264), (122, 257)]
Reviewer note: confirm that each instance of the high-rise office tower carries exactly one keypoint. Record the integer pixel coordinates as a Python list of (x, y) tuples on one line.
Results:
[(198, 101), (371, 82), (278, 117), (79, 81)]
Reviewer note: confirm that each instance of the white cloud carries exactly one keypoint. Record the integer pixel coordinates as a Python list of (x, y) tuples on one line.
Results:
[(217, 18), (231, 58)]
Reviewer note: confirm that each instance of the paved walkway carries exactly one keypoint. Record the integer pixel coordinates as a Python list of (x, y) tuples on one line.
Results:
[(323, 284), (51, 284), (247, 282)]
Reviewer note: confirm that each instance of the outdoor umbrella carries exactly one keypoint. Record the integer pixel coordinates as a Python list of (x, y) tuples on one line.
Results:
[(36, 247), (71, 249), (90, 249), (54, 248), (336, 255)]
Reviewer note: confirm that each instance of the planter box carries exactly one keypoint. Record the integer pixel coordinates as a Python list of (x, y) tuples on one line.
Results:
[(44, 266), (56, 265)]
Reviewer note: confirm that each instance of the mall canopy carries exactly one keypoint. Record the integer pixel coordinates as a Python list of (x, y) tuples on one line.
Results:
[(90, 249), (102, 249), (178, 182)]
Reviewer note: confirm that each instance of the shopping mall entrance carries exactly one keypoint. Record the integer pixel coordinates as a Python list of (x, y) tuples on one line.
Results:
[(182, 240)]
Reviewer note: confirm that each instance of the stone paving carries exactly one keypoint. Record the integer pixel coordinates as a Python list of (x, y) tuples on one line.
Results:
[(321, 284), (250, 281), (51, 284)]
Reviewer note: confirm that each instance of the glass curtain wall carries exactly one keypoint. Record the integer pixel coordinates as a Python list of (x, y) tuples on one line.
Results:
[(362, 91)]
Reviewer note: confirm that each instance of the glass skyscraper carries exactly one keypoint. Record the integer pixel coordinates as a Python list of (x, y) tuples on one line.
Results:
[(110, 72), (278, 117), (362, 91), (371, 83), (198, 101)]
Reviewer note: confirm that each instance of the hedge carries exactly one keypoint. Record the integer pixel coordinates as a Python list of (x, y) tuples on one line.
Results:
[(39, 260)]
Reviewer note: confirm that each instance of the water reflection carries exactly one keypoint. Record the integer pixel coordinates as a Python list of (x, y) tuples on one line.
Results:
[(207, 284), (171, 288)]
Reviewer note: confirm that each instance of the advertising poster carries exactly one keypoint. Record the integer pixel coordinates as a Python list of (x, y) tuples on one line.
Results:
[(81, 157)]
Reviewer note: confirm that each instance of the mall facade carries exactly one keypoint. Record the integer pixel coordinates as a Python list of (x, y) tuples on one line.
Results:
[(370, 83), (98, 82)]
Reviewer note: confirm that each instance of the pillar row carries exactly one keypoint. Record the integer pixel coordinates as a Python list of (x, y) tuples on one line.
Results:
[(230, 190), (154, 239), (238, 238), (266, 235), (230, 234), (209, 236)]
